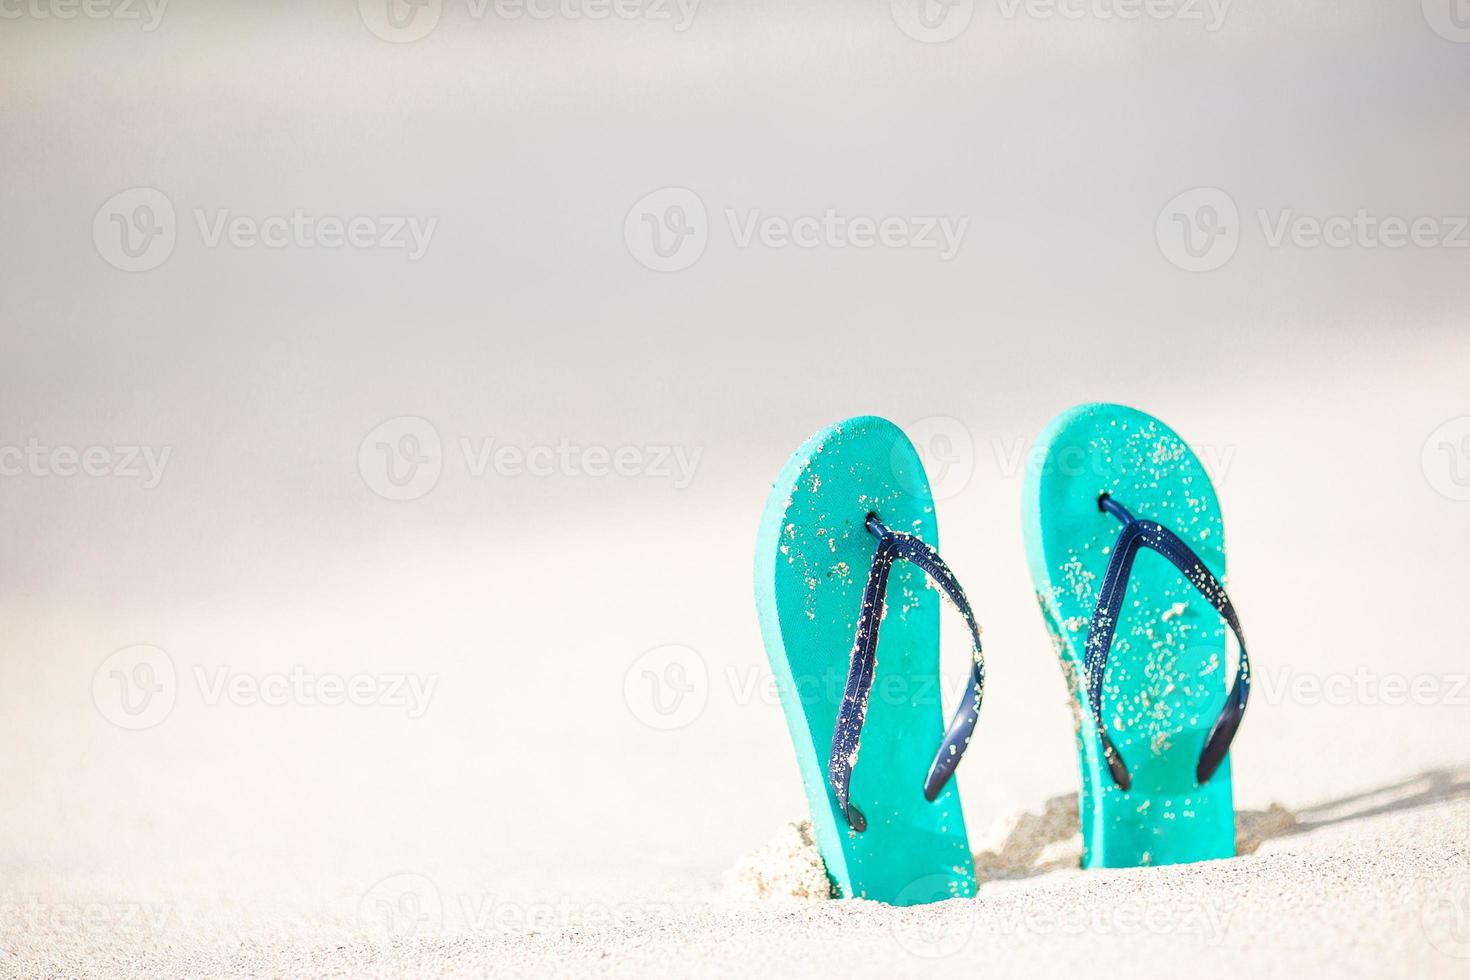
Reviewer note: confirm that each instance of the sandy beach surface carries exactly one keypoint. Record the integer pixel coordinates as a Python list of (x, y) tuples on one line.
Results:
[(1379, 893)]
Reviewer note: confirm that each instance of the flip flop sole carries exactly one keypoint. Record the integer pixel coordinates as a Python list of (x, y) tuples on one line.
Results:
[(1166, 677), (812, 559)]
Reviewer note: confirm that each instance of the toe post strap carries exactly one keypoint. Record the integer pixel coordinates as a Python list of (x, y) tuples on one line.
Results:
[(891, 546), (1136, 535)]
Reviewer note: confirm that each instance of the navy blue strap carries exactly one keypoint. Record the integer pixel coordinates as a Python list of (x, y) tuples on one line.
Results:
[(1137, 534), (893, 545)]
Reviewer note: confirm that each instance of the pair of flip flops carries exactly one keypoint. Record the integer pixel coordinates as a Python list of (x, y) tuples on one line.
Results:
[(1126, 550)]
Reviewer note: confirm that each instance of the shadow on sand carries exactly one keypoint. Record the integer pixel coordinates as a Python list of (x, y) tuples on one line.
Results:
[(1050, 840)]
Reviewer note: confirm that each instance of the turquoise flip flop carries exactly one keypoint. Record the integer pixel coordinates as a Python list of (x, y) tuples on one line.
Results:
[(1127, 552), (853, 638)]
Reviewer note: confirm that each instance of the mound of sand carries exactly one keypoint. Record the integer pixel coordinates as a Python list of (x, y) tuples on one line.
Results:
[(789, 868)]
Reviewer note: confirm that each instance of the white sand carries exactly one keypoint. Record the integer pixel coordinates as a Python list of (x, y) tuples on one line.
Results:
[(1344, 895)]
